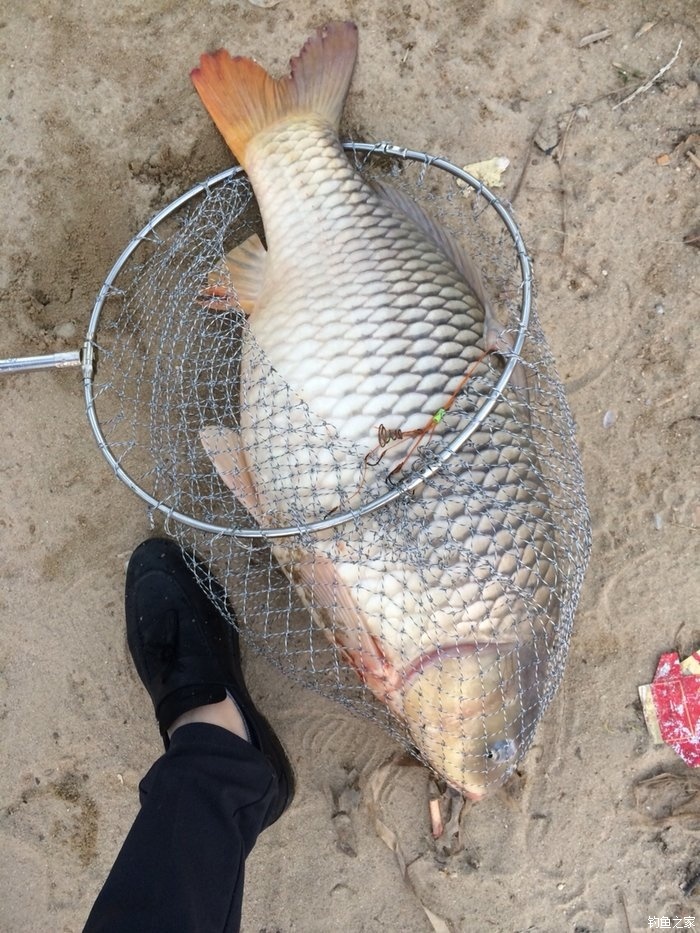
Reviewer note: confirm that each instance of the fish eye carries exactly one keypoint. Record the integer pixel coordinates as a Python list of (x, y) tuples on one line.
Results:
[(503, 750)]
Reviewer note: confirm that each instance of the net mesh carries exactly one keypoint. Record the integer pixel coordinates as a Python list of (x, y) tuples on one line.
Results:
[(445, 614)]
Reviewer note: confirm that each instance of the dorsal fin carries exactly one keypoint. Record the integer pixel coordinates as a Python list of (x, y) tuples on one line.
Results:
[(496, 336), (442, 238)]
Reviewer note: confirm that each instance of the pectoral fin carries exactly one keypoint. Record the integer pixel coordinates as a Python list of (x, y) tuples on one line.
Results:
[(245, 266), (238, 279)]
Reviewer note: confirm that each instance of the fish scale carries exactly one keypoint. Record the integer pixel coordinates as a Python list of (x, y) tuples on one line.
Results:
[(408, 292)]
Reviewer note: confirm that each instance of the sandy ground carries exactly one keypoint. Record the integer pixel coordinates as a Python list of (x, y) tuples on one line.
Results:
[(101, 127)]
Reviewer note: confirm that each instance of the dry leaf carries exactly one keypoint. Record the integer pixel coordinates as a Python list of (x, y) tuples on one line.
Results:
[(489, 171), (375, 786), (439, 925), (668, 796), (594, 37), (645, 28)]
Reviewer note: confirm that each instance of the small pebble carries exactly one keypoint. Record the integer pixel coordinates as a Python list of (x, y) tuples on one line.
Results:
[(659, 309), (66, 331), (609, 418), (547, 136), (658, 521)]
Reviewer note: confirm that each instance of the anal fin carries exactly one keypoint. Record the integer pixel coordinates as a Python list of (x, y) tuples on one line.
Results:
[(345, 625), (223, 447)]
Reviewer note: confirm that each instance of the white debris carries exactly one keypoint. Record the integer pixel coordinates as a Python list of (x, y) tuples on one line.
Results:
[(66, 331), (490, 171)]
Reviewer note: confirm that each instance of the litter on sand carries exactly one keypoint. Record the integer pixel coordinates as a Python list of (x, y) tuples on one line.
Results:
[(671, 705), (489, 172)]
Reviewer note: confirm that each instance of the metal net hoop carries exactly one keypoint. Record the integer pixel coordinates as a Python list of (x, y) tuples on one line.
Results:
[(106, 339)]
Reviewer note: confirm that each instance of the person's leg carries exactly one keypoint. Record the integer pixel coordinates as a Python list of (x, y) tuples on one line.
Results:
[(181, 867), (223, 778)]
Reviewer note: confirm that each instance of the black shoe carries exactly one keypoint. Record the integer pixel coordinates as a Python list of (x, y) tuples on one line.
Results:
[(187, 654)]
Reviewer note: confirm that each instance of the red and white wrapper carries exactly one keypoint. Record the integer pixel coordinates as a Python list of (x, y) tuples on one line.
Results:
[(671, 704)]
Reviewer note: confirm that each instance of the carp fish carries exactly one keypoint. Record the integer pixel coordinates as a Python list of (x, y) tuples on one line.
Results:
[(370, 311)]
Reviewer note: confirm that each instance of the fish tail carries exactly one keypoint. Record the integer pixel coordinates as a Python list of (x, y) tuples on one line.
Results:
[(243, 99)]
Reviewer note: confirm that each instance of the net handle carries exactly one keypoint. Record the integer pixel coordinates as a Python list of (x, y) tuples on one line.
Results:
[(148, 233)]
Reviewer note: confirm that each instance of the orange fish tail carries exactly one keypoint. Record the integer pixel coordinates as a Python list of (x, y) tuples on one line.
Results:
[(243, 99)]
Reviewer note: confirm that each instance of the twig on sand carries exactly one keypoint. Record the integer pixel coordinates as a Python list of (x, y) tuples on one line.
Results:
[(645, 27), (564, 234), (526, 162), (645, 87), (561, 146), (437, 827), (559, 159), (594, 37), (624, 907)]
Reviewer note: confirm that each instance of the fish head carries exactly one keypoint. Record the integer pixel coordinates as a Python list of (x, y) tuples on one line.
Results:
[(469, 713)]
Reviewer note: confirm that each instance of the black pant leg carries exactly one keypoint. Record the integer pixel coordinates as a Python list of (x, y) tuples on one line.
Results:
[(181, 868)]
